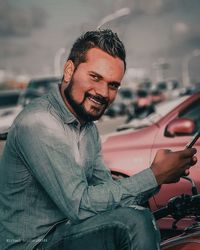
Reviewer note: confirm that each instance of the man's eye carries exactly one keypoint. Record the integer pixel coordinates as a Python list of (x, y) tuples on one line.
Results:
[(114, 86), (95, 78)]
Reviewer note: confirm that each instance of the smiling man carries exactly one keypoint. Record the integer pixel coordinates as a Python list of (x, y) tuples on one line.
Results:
[(89, 89), (55, 191)]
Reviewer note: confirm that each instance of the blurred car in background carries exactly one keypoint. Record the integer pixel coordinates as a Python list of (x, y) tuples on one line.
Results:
[(157, 96), (42, 85), (189, 90), (119, 106), (128, 152), (8, 100), (35, 88), (141, 107), (170, 89), (27, 96), (160, 110), (8, 106), (127, 94)]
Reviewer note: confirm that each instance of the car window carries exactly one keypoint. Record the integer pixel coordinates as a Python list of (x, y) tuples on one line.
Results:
[(42, 85), (126, 93), (27, 96), (8, 100), (165, 107), (192, 112)]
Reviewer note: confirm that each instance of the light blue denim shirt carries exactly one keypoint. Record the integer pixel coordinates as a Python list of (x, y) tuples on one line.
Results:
[(52, 170)]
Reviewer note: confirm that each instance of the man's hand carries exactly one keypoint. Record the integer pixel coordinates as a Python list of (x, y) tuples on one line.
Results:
[(169, 166)]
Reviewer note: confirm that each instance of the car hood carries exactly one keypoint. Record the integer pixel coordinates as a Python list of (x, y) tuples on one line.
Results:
[(123, 139)]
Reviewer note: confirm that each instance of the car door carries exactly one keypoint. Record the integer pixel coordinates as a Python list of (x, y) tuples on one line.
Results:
[(191, 111)]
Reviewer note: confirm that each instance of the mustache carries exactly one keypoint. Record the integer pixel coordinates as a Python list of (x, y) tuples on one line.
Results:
[(98, 98)]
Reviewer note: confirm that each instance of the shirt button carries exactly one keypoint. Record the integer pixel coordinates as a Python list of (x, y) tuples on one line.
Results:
[(75, 123)]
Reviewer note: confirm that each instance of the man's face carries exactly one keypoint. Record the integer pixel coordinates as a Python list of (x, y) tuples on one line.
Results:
[(93, 85)]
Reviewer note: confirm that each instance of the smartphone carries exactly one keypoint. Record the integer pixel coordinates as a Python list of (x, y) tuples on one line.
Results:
[(193, 140)]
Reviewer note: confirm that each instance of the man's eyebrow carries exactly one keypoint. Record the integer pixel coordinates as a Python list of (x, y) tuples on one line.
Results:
[(96, 74)]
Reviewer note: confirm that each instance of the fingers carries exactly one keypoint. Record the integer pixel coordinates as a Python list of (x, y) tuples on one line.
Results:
[(187, 172), (190, 161), (188, 152), (169, 166), (187, 156), (193, 161)]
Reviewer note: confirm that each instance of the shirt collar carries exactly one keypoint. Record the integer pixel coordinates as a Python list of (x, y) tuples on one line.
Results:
[(60, 105)]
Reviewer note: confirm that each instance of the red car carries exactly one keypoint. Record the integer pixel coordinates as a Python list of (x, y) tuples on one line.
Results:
[(130, 152)]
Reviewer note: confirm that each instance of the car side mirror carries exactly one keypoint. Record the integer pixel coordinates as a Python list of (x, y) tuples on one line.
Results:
[(180, 126)]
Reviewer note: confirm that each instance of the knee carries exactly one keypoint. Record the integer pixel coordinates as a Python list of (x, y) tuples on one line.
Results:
[(142, 216), (141, 227), (130, 226), (138, 217)]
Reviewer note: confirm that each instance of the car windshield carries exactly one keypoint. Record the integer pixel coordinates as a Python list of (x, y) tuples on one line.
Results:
[(163, 108)]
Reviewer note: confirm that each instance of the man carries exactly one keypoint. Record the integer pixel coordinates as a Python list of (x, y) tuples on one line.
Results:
[(55, 192)]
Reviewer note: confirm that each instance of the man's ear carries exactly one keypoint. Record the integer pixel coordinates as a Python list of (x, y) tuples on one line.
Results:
[(68, 70)]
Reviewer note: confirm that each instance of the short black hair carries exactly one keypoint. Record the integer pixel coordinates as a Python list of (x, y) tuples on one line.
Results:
[(105, 40)]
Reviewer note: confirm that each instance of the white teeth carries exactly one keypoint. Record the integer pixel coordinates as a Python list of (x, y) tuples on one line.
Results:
[(95, 101)]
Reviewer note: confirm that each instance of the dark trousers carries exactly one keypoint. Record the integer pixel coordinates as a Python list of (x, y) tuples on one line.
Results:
[(119, 229)]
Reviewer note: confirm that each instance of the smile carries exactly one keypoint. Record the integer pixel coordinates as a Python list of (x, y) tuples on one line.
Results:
[(95, 101)]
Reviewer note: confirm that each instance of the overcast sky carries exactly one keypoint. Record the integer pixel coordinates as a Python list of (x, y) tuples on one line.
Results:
[(32, 31)]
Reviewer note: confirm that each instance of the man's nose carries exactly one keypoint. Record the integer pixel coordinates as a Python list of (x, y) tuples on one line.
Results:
[(102, 89)]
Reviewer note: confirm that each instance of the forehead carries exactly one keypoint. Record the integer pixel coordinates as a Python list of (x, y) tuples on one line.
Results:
[(104, 64)]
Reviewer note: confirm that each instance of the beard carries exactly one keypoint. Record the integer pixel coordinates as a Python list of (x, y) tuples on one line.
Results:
[(79, 108)]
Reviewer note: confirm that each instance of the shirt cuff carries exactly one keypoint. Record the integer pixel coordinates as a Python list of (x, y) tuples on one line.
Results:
[(143, 181)]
